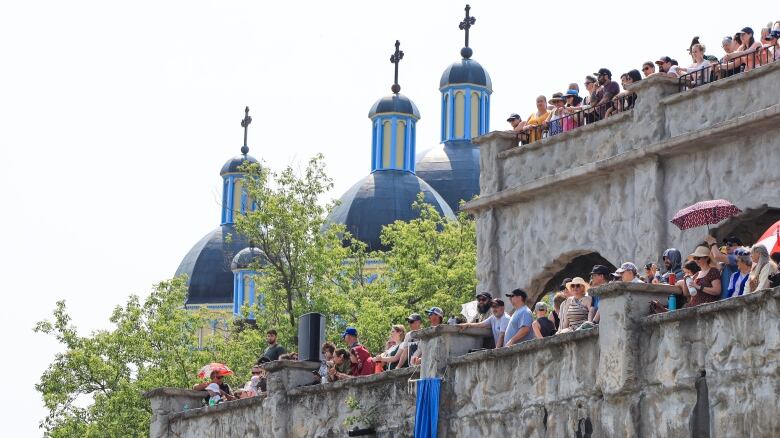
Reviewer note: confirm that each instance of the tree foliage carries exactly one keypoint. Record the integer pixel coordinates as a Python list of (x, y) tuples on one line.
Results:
[(94, 386)]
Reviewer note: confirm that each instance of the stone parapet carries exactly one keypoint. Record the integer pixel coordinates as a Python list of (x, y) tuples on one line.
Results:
[(440, 344), (166, 402)]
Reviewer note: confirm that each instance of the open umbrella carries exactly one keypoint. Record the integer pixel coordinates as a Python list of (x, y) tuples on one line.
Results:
[(221, 368), (704, 213), (771, 238)]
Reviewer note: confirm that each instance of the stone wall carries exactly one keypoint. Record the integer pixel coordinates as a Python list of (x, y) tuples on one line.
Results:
[(612, 187), (711, 370)]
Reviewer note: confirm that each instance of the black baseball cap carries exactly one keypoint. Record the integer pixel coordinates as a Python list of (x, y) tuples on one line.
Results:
[(663, 60), (484, 294), (518, 293), (413, 317), (603, 71), (563, 284), (600, 269), (497, 302), (514, 116), (747, 29)]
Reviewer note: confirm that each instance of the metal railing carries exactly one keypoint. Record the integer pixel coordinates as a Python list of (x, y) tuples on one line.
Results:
[(739, 64), (572, 117)]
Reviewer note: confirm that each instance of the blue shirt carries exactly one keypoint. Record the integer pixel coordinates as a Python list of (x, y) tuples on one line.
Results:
[(521, 318), (725, 275)]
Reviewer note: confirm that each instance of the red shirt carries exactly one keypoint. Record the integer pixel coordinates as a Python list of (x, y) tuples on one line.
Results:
[(365, 364)]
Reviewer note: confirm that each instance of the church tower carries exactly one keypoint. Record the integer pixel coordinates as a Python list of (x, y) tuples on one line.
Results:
[(452, 168)]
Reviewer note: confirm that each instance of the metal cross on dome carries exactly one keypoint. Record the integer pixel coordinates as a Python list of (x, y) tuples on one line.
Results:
[(396, 58), (245, 124), (466, 25)]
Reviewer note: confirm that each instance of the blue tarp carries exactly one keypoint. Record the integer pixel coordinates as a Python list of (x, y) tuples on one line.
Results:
[(426, 419)]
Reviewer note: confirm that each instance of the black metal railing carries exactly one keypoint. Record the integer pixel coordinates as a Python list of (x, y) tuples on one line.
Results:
[(729, 67), (572, 117)]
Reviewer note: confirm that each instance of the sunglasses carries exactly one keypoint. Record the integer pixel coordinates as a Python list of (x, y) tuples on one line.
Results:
[(647, 68), (574, 286), (698, 258)]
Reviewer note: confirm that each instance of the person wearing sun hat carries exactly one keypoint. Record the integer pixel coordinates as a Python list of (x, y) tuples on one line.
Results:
[(556, 114), (706, 282), (576, 308)]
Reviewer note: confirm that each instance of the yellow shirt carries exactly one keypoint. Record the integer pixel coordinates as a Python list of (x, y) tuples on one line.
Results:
[(537, 121)]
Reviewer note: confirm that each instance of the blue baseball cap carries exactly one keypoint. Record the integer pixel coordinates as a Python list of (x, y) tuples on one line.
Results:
[(351, 331), (572, 93), (435, 311)]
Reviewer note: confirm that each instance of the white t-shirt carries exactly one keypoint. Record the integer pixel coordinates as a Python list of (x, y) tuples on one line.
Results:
[(673, 71), (498, 326)]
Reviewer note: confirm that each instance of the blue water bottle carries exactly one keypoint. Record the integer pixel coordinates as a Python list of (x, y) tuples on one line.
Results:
[(672, 303)]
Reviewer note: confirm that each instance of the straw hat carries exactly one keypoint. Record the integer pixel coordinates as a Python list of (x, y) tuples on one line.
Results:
[(577, 280), (701, 251)]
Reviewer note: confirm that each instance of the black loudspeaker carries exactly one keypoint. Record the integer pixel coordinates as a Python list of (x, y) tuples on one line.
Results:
[(311, 336)]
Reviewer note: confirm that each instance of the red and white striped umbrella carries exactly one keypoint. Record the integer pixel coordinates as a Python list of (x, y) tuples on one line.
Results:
[(771, 238), (704, 213), (220, 368)]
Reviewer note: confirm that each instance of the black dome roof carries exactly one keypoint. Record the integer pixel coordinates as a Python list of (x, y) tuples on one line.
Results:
[(232, 165), (395, 103), (465, 71), (452, 169), (208, 266), (380, 199), (246, 256)]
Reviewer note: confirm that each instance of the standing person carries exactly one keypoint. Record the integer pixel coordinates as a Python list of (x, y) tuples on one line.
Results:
[(651, 274), (558, 299), (599, 275), (576, 309), (519, 328), (388, 358), (608, 89), (648, 68), (706, 285), (666, 66), (737, 283), (628, 273), (483, 307), (409, 346), (672, 259), (728, 261), (537, 120), (435, 318), (763, 268), (543, 326), (556, 114), (350, 337), (274, 350), (699, 63), (498, 322)]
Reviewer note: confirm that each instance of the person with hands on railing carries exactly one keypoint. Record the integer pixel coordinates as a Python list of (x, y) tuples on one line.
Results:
[(747, 49), (537, 121), (693, 75)]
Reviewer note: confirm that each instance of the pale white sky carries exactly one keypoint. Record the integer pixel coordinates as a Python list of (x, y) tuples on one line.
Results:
[(115, 118)]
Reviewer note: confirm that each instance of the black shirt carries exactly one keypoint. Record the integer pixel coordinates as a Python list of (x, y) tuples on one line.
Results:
[(274, 351), (546, 327)]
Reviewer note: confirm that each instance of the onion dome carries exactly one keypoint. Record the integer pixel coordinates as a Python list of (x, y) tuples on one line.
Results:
[(466, 71), (452, 169), (234, 164), (245, 258), (208, 266), (380, 199), (394, 104)]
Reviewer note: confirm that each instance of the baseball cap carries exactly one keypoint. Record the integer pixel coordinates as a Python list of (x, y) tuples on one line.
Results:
[(497, 302), (562, 287), (732, 240), (351, 331), (541, 305), (663, 60), (627, 266), (435, 311), (747, 29), (513, 116), (484, 294), (413, 317), (518, 293), (603, 71), (571, 93), (601, 269)]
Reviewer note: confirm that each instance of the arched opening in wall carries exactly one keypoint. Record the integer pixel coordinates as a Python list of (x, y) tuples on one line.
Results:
[(569, 265), (749, 225)]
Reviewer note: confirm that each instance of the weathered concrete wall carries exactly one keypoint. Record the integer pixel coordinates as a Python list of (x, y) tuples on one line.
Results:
[(611, 187), (712, 370)]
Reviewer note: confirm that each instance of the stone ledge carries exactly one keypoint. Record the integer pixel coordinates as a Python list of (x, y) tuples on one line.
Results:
[(582, 130), (496, 135), (218, 409), (720, 84), (669, 147), (373, 379), (278, 365), (174, 392), (691, 313), (443, 329), (621, 287), (524, 347)]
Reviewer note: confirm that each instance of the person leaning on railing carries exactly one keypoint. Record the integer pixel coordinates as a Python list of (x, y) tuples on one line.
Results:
[(697, 73), (771, 50), (537, 121), (747, 49)]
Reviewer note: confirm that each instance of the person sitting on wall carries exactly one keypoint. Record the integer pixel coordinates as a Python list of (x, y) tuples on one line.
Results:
[(435, 317), (706, 285), (388, 357), (218, 390), (576, 308), (497, 322), (341, 366), (763, 268), (738, 281), (542, 326)]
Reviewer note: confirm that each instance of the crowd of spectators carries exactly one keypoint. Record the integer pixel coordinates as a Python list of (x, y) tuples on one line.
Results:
[(565, 111)]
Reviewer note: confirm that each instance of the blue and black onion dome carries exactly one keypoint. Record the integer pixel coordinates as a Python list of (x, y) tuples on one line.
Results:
[(452, 169), (208, 266), (233, 165), (246, 257), (380, 199), (395, 103), (465, 71)]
